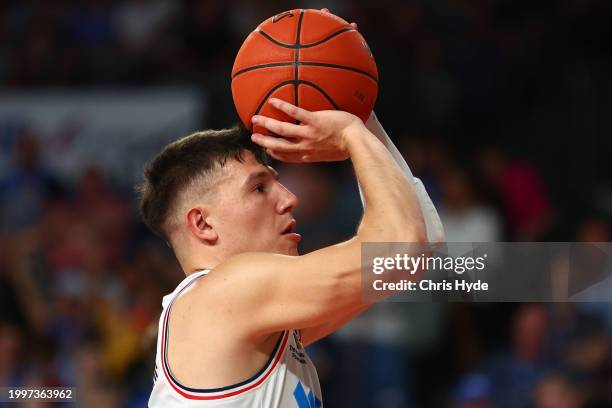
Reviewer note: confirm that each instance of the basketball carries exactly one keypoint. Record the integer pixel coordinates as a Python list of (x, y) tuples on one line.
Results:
[(310, 58)]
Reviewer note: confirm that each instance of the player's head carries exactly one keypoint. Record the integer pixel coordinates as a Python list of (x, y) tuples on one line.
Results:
[(213, 192)]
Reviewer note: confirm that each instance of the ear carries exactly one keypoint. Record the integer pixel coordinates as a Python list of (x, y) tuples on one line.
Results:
[(198, 224)]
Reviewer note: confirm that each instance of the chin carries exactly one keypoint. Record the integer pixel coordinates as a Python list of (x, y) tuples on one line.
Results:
[(292, 251)]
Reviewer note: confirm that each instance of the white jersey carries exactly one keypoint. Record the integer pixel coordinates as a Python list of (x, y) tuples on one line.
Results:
[(288, 379)]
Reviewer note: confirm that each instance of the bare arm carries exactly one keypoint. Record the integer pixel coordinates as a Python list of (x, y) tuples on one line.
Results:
[(316, 333), (270, 292), (433, 225)]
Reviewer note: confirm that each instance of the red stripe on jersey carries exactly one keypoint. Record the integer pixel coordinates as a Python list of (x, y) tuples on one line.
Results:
[(226, 395)]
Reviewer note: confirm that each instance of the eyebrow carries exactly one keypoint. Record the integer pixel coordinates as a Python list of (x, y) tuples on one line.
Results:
[(263, 174)]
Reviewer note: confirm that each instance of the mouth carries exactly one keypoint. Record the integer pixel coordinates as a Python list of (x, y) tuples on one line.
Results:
[(289, 227), (288, 231)]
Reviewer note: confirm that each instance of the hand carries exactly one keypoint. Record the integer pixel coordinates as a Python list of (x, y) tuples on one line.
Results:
[(326, 10), (320, 136)]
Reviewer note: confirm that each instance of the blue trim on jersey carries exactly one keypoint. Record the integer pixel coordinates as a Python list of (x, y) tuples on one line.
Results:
[(165, 362), (303, 400)]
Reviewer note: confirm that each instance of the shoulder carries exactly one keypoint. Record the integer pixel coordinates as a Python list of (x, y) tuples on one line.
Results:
[(233, 295), (243, 274), (217, 299)]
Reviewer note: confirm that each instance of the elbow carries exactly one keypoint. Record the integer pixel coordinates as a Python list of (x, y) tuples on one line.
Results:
[(414, 234), (419, 236), (419, 232), (416, 231), (346, 290), (411, 230)]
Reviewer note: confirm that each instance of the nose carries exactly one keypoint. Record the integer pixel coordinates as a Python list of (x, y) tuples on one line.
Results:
[(287, 201)]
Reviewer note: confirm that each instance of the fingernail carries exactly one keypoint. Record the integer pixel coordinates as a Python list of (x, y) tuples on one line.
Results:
[(274, 101), (254, 119)]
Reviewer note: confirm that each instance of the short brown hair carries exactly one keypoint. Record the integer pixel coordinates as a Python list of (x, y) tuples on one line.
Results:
[(184, 160)]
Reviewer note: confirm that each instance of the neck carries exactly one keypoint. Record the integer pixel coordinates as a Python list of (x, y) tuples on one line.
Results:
[(189, 272), (193, 265), (194, 258)]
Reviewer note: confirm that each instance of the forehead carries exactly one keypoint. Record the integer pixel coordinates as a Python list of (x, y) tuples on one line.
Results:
[(238, 173)]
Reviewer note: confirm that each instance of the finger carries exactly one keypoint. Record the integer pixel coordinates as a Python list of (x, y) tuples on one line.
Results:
[(277, 144), (354, 25), (325, 10), (285, 129), (290, 157), (295, 112)]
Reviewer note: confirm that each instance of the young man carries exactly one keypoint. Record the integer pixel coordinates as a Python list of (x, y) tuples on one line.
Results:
[(232, 333)]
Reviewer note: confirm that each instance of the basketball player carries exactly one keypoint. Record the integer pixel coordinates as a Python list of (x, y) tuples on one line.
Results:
[(233, 332)]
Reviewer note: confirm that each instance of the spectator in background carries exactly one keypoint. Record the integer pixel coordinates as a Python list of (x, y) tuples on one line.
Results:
[(554, 391), (463, 217), (112, 221), (472, 391), (91, 28), (596, 230), (138, 21), (520, 189), (26, 188), (515, 374), (148, 40), (12, 371), (587, 359), (92, 379), (89, 231), (371, 354)]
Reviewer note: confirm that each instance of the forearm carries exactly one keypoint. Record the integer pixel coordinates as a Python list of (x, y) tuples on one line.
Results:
[(391, 205), (374, 126), (433, 224)]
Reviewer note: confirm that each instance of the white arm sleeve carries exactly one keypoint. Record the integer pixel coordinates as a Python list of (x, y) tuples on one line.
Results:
[(435, 230)]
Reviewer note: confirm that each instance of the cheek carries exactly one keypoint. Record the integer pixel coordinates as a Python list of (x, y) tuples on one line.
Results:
[(244, 218), (250, 218)]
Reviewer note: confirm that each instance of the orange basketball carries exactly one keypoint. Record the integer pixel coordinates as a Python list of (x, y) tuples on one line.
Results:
[(312, 59)]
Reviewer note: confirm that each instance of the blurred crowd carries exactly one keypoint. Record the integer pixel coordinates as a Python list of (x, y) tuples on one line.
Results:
[(499, 106)]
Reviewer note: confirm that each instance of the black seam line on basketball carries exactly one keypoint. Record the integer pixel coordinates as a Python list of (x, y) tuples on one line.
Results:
[(297, 59), (313, 64), (329, 37), (270, 93), (318, 88), (254, 67), (267, 36), (324, 64), (265, 98)]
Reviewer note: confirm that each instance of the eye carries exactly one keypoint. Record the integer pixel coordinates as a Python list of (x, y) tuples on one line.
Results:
[(260, 188)]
